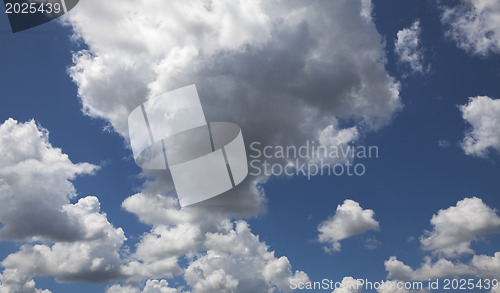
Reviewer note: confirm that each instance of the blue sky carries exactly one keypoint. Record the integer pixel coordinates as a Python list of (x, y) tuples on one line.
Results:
[(286, 100)]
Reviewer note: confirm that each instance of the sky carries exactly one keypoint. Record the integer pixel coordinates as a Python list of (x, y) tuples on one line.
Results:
[(417, 80)]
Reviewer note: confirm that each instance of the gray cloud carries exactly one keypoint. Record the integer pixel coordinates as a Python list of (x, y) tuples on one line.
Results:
[(284, 75), (291, 72)]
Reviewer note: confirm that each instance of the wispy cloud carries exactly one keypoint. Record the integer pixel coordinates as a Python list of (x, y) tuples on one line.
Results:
[(408, 49)]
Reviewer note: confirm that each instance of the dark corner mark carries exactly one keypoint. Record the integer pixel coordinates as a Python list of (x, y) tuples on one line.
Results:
[(26, 14)]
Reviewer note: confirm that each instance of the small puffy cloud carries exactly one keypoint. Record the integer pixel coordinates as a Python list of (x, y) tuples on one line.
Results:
[(481, 266), (408, 48), (483, 114), (474, 25), (349, 220), (455, 228), (349, 285)]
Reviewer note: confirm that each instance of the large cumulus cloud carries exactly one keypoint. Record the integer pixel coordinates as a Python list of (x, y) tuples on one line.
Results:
[(285, 72), (289, 73)]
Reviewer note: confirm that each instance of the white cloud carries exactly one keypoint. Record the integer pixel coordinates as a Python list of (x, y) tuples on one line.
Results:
[(474, 25), (284, 65), (229, 259), (349, 285), (216, 281), (481, 266), (156, 205), (158, 286), (156, 209), (92, 261), (36, 188), (483, 114), (441, 268), (299, 67), (95, 258), (93, 252), (164, 242), (487, 265), (408, 48), (12, 282), (136, 270), (455, 228), (35, 192), (162, 46), (122, 289), (158, 252), (349, 220), (222, 257)]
